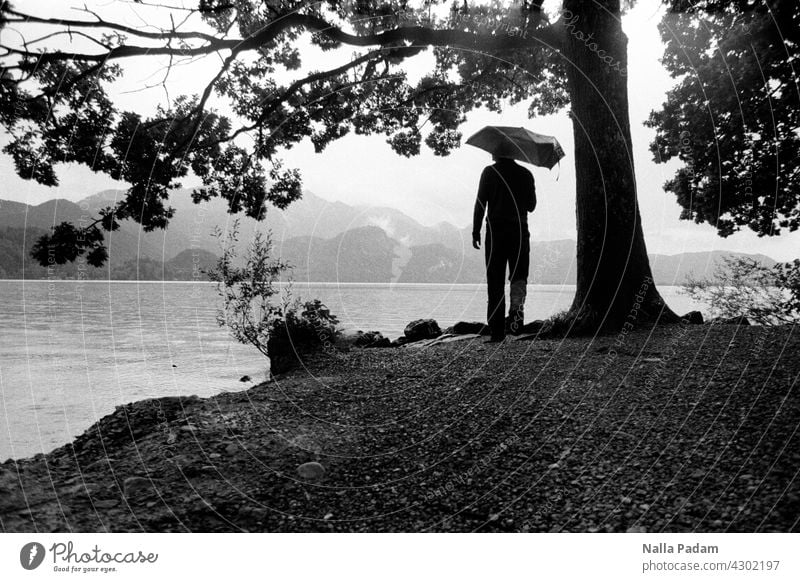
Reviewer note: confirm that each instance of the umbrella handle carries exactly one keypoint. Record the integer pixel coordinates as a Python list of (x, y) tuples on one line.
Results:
[(558, 175)]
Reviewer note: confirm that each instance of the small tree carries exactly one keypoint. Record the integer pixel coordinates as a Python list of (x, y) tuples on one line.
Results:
[(248, 308), (743, 287), (282, 330)]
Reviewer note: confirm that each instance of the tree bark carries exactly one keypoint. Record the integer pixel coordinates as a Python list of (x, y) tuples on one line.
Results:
[(615, 286)]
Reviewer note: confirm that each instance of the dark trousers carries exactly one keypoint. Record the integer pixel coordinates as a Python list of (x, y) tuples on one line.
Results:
[(506, 246)]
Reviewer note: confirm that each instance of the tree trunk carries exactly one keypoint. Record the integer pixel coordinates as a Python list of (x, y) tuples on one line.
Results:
[(615, 284)]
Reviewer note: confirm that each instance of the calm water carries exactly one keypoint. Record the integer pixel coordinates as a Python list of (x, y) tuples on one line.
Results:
[(72, 351)]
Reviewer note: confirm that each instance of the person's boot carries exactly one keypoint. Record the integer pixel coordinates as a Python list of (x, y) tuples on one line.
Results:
[(516, 313)]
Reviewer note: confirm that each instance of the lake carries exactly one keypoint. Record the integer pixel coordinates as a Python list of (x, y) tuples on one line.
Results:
[(71, 351)]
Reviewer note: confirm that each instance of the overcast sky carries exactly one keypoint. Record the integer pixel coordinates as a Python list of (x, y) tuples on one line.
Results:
[(364, 170)]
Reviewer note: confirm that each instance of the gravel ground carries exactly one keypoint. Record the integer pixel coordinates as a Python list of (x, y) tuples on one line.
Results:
[(682, 428)]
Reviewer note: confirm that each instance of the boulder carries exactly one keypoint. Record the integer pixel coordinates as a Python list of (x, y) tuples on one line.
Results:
[(693, 317), (371, 339), (468, 328), (347, 338), (421, 329)]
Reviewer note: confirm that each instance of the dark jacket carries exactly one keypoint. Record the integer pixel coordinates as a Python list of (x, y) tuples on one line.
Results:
[(509, 192)]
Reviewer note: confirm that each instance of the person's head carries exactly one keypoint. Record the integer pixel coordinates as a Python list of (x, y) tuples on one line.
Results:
[(504, 152)]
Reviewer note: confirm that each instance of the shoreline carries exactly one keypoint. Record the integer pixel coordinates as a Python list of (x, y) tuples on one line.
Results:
[(678, 434)]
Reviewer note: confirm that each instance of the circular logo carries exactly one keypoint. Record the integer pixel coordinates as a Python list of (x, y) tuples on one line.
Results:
[(31, 555)]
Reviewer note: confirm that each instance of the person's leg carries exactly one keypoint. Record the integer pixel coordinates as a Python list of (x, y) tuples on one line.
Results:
[(495, 283), (518, 276)]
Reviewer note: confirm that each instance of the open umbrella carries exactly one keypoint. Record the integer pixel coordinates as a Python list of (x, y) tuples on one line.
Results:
[(520, 144)]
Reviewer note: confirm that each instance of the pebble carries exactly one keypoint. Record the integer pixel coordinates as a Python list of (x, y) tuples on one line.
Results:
[(136, 485), (311, 471)]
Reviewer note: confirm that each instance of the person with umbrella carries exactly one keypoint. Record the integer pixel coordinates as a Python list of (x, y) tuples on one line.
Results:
[(506, 194)]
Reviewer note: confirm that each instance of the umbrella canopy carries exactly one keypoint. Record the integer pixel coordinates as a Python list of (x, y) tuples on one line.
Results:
[(520, 144)]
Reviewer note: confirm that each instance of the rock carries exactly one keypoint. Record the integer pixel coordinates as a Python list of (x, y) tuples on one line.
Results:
[(693, 317), (106, 503), (449, 338), (421, 344), (231, 450), (134, 486), (371, 339), (421, 329), (467, 328), (347, 339), (311, 471)]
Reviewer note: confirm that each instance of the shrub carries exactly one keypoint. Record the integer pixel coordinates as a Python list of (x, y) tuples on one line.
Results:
[(281, 330), (743, 287), (303, 328)]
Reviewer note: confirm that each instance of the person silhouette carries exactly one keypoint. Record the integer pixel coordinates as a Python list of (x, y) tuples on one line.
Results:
[(506, 194)]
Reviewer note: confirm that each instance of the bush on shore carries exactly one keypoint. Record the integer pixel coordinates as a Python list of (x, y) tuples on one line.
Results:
[(258, 312), (743, 287)]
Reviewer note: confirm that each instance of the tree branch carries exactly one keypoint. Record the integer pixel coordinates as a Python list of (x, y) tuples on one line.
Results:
[(420, 36)]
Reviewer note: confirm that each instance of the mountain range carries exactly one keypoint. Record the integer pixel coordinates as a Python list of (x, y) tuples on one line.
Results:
[(323, 240)]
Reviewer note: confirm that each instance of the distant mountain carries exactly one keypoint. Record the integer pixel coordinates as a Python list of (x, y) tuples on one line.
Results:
[(551, 263), (363, 254), (674, 269), (324, 241), (311, 216)]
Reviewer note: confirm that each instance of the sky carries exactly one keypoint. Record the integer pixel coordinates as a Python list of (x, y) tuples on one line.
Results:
[(364, 170)]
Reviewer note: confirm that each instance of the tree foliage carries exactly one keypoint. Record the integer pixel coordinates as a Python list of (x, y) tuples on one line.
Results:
[(56, 107), (734, 116)]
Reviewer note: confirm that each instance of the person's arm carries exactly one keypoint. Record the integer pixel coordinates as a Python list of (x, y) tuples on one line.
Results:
[(480, 207), (532, 196)]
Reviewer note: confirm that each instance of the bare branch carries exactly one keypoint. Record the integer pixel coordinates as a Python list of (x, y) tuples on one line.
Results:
[(107, 24)]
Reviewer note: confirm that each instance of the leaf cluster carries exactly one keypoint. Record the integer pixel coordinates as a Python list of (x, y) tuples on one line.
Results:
[(733, 118)]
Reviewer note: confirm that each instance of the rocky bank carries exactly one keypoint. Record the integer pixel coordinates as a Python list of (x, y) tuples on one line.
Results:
[(678, 428)]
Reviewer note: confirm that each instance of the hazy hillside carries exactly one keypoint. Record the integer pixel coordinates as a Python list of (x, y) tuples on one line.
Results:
[(324, 241), (192, 225)]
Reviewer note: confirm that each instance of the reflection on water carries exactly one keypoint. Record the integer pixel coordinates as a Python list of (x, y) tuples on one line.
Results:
[(71, 351)]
